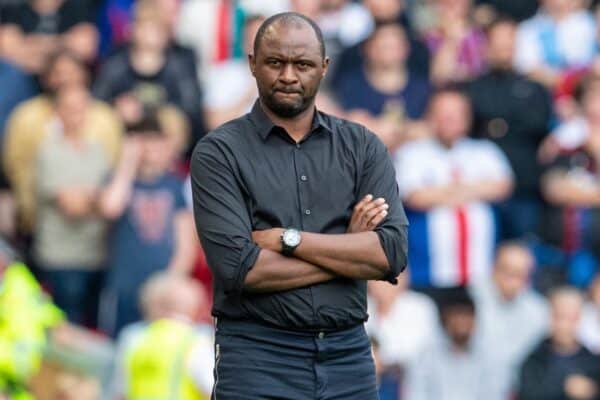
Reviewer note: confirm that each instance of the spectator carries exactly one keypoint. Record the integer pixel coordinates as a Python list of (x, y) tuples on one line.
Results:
[(395, 306), (514, 113), (384, 12), (448, 183), (392, 307), (150, 73), (559, 37), (152, 228), (68, 243), (560, 367), (589, 329), (28, 126), (230, 88), (33, 30), (454, 366), (167, 296), (384, 88), (571, 221), (511, 317), (456, 45)]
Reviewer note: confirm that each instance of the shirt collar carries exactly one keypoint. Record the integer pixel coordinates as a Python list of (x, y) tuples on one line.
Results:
[(265, 126)]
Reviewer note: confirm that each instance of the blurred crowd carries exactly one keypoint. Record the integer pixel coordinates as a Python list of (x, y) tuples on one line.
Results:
[(489, 108)]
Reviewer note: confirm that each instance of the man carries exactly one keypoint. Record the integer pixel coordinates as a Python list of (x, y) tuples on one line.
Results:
[(449, 182), (560, 367), (511, 317), (513, 112), (455, 366), (291, 302)]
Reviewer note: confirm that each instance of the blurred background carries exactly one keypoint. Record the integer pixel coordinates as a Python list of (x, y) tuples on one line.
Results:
[(489, 108)]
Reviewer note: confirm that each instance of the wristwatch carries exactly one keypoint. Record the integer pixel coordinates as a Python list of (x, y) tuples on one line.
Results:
[(290, 239)]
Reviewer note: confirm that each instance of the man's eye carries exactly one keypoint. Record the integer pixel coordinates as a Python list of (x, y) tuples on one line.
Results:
[(302, 64), (274, 63)]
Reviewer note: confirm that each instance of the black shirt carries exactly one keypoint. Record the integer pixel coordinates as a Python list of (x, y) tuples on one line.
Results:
[(251, 175), (514, 112)]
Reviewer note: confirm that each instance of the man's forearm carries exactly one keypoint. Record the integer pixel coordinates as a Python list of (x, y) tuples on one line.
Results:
[(274, 272), (352, 255)]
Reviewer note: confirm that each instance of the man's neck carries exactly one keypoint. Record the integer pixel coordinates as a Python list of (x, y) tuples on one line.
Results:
[(147, 62), (297, 127), (388, 80)]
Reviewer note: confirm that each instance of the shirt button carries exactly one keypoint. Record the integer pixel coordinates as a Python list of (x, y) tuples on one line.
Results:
[(297, 145), (307, 212), (303, 178), (321, 335)]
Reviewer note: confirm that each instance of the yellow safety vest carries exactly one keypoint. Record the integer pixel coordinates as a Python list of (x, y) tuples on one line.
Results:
[(156, 364), (26, 314)]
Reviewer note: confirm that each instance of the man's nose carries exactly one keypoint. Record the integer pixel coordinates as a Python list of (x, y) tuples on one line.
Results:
[(288, 74)]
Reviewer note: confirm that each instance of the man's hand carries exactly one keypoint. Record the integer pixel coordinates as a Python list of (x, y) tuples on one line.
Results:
[(368, 213), (268, 239), (580, 387)]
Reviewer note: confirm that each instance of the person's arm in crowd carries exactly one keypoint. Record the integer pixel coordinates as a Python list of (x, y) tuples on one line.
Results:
[(30, 51), (561, 189), (536, 384), (185, 243), (225, 230), (114, 198), (381, 254)]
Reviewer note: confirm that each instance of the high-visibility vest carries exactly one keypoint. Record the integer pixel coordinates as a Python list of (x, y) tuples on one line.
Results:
[(26, 314), (156, 365)]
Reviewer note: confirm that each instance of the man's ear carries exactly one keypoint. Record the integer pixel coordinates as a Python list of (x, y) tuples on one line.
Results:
[(252, 63), (325, 66)]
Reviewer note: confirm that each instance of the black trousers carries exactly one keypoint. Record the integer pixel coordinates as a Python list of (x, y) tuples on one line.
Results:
[(257, 362)]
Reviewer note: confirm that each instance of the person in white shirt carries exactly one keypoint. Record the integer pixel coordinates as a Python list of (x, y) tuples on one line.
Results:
[(589, 327), (394, 309), (511, 317), (447, 183), (562, 35)]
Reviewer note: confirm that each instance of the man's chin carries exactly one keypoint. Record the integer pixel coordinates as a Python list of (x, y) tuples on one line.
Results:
[(287, 110)]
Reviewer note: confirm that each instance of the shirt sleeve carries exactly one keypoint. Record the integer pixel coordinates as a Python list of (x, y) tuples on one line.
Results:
[(493, 162), (221, 216), (379, 179)]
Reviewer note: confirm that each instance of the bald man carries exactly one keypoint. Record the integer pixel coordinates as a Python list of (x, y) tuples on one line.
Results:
[(296, 210)]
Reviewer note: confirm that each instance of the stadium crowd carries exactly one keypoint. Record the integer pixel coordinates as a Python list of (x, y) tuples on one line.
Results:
[(489, 108)]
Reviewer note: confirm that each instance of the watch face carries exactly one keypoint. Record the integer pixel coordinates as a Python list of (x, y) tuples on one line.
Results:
[(291, 238)]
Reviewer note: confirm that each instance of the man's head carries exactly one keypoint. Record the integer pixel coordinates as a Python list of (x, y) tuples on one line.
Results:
[(449, 115), (513, 265), (71, 104), (501, 43), (566, 304), (387, 47), (63, 68), (150, 30), (288, 63), (157, 149), (385, 10), (457, 313), (169, 295)]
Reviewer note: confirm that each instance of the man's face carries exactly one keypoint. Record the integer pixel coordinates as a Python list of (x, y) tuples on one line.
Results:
[(511, 272), (288, 68), (150, 34), (65, 71), (387, 48), (449, 117), (501, 45), (385, 10), (459, 322), (71, 106), (566, 313)]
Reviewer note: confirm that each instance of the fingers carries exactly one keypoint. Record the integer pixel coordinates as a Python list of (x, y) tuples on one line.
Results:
[(374, 217), (368, 211), (359, 206)]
